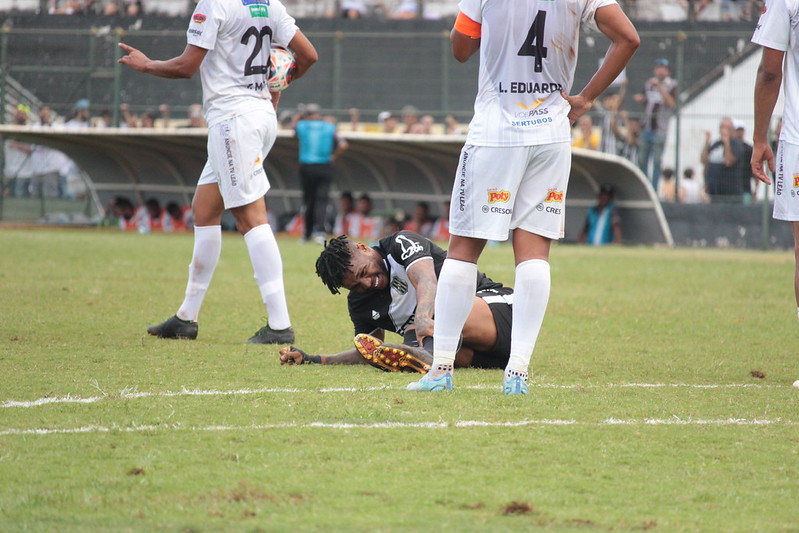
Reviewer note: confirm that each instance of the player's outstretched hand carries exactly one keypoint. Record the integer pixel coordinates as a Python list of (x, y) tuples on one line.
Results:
[(291, 355), (135, 59)]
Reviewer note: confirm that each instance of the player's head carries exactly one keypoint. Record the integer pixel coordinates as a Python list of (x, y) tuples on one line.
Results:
[(352, 265)]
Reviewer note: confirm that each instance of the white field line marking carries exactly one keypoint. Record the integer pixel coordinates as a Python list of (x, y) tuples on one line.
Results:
[(674, 421), (128, 394)]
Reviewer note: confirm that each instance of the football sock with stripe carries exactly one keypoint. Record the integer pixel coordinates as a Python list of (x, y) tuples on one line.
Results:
[(268, 267), (204, 258)]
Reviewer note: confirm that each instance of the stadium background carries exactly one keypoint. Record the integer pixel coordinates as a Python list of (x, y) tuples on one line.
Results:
[(376, 64)]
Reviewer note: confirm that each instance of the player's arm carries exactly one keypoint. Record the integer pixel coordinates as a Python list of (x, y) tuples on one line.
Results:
[(611, 21), (291, 355), (341, 146), (422, 275), (185, 65), (464, 38), (767, 89), (305, 54)]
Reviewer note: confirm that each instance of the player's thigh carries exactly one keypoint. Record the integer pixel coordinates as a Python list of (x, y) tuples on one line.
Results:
[(541, 197), (207, 205), (786, 182), (484, 191), (479, 331)]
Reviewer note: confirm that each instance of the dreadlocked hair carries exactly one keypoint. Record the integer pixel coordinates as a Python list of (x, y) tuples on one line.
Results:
[(333, 262)]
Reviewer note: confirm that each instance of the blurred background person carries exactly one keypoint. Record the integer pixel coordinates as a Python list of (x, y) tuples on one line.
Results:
[(721, 158), (420, 222), (602, 223), (748, 181), (691, 191), (346, 206), (658, 97), (667, 191), (364, 225), (410, 117), (585, 134), (319, 147), (440, 229)]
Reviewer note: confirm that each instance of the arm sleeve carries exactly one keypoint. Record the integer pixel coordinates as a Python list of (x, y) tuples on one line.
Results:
[(204, 25), (467, 26), (408, 247)]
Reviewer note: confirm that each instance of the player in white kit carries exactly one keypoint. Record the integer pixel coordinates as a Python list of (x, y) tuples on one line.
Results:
[(229, 42), (778, 33), (514, 168)]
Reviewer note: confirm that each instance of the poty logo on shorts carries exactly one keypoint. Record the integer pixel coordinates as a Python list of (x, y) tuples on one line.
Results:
[(496, 195), (554, 195), (199, 18)]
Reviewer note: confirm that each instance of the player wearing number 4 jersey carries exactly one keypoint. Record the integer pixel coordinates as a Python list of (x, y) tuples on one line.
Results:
[(229, 42), (514, 168)]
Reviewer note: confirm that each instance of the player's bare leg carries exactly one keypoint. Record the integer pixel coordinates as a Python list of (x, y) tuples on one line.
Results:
[(457, 284), (530, 299), (795, 227), (207, 207), (252, 221)]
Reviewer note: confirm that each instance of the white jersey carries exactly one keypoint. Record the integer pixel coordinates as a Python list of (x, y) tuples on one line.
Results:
[(238, 35), (528, 54), (777, 29)]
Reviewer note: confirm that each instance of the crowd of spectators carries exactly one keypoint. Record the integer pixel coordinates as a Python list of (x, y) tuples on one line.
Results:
[(150, 217), (661, 10)]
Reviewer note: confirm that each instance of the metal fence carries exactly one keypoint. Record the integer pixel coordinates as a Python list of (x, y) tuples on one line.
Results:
[(373, 66)]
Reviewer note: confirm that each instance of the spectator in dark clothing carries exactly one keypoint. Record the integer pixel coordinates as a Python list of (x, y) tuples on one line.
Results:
[(744, 165), (721, 159)]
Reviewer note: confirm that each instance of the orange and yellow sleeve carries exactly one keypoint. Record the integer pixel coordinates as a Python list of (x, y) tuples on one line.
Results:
[(467, 26)]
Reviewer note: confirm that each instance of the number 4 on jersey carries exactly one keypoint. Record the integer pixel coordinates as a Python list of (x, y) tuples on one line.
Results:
[(534, 42)]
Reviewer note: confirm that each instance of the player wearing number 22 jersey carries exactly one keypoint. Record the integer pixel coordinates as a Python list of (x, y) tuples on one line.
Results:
[(514, 168), (229, 43)]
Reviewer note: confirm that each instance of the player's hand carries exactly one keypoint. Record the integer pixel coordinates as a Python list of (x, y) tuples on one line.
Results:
[(579, 106), (762, 153), (135, 59), (424, 328), (290, 357), (275, 99)]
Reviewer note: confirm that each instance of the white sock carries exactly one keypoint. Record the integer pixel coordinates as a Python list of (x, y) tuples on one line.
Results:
[(797, 312), (530, 298), (268, 267), (454, 298), (204, 258)]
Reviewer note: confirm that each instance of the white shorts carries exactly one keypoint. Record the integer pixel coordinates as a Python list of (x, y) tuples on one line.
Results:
[(236, 150), (498, 189), (786, 182)]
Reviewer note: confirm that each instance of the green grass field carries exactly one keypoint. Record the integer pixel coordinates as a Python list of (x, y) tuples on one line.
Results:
[(643, 413)]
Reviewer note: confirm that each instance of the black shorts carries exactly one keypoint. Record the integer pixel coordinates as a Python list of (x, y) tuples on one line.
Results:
[(501, 308)]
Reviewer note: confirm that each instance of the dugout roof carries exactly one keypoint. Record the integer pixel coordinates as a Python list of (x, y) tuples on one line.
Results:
[(396, 170)]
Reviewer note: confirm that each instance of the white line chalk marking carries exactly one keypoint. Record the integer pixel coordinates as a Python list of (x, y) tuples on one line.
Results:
[(674, 421), (128, 394)]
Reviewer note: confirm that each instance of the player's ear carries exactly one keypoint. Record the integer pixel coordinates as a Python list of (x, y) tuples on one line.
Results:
[(360, 246)]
